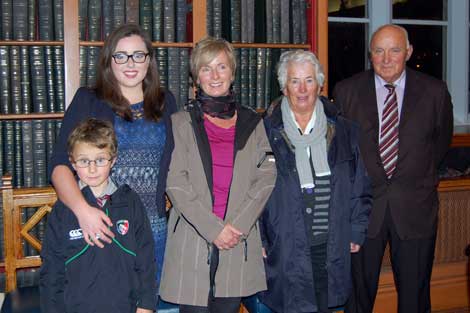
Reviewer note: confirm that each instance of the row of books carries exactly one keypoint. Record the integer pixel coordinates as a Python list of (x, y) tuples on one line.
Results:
[(31, 79), (32, 20), (26, 147), (259, 21), (164, 20)]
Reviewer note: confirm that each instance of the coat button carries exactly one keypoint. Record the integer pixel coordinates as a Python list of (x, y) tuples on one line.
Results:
[(308, 210)]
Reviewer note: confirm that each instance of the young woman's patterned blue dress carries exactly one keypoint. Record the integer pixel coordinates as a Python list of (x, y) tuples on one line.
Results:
[(140, 149)]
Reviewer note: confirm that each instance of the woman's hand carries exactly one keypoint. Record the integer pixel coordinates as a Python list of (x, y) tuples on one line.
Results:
[(94, 224), (355, 247), (228, 238), (140, 310)]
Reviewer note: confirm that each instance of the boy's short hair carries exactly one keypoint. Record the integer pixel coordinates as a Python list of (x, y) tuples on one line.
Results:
[(95, 132)]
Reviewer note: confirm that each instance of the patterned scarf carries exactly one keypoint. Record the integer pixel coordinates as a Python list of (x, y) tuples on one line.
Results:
[(223, 107)]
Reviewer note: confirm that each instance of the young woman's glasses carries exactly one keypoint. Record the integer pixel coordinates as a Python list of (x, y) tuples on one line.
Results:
[(137, 57), (100, 162)]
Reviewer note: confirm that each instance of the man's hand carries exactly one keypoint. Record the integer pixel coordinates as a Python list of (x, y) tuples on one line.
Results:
[(228, 238), (355, 247), (140, 310), (94, 224)]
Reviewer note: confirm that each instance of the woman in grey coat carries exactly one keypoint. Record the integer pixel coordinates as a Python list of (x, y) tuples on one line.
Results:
[(221, 174)]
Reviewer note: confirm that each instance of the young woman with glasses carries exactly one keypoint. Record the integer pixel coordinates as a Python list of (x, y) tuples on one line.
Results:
[(128, 94)]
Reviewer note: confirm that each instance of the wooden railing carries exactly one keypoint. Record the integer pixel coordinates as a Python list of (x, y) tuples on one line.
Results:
[(15, 230)]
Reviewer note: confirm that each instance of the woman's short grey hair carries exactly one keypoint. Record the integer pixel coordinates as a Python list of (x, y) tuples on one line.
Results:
[(298, 56)]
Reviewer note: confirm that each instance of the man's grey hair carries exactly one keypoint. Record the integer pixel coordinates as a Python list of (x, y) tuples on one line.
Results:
[(398, 27), (298, 56)]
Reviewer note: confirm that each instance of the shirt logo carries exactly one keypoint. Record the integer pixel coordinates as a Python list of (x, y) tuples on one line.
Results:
[(75, 234), (122, 227)]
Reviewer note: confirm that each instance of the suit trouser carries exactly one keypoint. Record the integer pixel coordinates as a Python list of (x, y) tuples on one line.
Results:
[(411, 261), (214, 305)]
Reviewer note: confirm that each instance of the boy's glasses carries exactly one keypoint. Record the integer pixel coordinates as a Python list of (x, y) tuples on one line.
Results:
[(100, 162), (137, 57)]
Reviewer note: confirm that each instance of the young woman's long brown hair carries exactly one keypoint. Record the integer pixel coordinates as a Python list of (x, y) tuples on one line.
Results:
[(107, 86)]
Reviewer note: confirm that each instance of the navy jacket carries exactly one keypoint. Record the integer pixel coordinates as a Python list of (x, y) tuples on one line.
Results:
[(79, 278), (86, 104), (288, 264)]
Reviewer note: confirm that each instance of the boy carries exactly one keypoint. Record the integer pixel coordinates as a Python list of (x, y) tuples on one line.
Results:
[(76, 277)]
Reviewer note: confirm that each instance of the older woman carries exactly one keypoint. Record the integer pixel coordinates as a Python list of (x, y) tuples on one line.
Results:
[(221, 175), (318, 212)]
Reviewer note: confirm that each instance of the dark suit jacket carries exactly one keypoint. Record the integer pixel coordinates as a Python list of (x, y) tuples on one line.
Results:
[(425, 132)]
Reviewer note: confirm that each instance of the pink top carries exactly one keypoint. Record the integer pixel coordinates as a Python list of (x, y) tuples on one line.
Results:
[(222, 142)]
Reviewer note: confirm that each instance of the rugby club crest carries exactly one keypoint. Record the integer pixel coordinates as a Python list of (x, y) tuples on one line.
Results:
[(122, 226)]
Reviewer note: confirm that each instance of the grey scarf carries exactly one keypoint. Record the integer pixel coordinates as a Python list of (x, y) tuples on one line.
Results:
[(315, 141)]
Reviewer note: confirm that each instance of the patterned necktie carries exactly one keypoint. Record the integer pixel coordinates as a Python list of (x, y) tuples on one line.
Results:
[(102, 200), (388, 143)]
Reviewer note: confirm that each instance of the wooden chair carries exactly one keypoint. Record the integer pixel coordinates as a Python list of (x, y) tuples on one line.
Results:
[(14, 201)]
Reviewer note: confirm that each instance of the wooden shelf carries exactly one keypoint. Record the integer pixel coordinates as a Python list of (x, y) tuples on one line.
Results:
[(454, 184), (30, 43), (271, 45), (155, 44), (32, 116)]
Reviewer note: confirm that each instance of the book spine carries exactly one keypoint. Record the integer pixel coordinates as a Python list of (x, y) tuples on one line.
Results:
[(285, 21), (244, 74), (268, 77), (94, 20), (50, 79), (9, 147), (59, 78), (20, 16), (5, 97), (59, 19), (169, 20), (276, 15), (184, 81), (157, 17), (303, 21), (39, 153), (145, 17), (25, 80), (132, 11), (236, 82), (181, 13), (210, 17), (82, 19), (7, 15), (244, 20), (50, 142), (174, 78), (296, 20), (107, 18), (217, 18), (38, 80), (15, 80), (83, 52), (119, 13), (250, 19), (162, 63), (32, 20), (28, 162), (92, 62), (18, 162), (269, 21), (260, 78), (252, 78), (235, 25), (46, 22)]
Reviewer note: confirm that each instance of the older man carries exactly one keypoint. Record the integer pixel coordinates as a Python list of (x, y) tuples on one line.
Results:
[(406, 120)]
